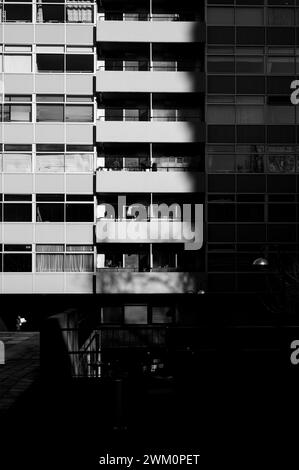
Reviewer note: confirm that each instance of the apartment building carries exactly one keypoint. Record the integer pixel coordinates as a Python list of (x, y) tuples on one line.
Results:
[(101, 103), (111, 109)]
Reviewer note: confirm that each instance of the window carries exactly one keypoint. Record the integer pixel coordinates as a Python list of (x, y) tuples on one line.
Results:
[(79, 113), (17, 259), (15, 63), (18, 111), (162, 314), (112, 315), (80, 12), (57, 258), (50, 63), (17, 13), (17, 163), (52, 208), (62, 111), (135, 314), (249, 16), (16, 208)]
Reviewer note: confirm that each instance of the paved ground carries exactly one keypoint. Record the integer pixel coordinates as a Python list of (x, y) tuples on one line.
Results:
[(21, 367)]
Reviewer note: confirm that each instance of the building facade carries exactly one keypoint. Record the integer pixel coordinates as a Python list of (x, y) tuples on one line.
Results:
[(111, 109)]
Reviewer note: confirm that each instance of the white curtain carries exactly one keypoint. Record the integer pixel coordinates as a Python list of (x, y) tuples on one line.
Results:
[(39, 13), (79, 13), (49, 262), (78, 263)]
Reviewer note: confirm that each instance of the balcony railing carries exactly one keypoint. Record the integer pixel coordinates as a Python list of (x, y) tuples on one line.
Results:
[(120, 16), (146, 66), (152, 168), (175, 117)]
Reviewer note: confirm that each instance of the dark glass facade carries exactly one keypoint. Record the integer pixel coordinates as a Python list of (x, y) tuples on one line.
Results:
[(252, 163)]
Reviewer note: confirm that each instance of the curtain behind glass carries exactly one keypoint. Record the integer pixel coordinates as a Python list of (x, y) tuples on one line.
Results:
[(49, 263)]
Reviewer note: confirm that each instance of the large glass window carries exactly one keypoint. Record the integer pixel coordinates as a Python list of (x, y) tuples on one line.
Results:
[(17, 63)]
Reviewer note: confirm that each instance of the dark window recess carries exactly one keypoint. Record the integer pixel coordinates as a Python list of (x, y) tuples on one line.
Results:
[(251, 233), (221, 233), (278, 85), (221, 213), (223, 84), (17, 197), (17, 262), (251, 183), (221, 183), (50, 13), (281, 134), (281, 184), (18, 13), (250, 213), (282, 213), (79, 212), (50, 197), (113, 315), (280, 36), (221, 134), (49, 212), (79, 63), (222, 282), (221, 262), (250, 35), (251, 85), (282, 233), (254, 134), (252, 282), (17, 213), (221, 35), (50, 62), (17, 247)]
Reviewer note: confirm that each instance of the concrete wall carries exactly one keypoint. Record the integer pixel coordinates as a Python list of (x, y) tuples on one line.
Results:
[(149, 182), (154, 82), (146, 31), (109, 282), (46, 283), (155, 132), (46, 232)]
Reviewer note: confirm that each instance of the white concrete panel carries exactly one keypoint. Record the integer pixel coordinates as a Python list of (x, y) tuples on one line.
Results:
[(49, 83), (121, 131), (18, 133), (146, 31), (79, 184), (79, 283), (18, 232), (79, 133), (23, 32), (45, 283), (80, 233), (49, 183), (17, 183), (18, 83), (49, 232), (47, 133), (129, 282), (79, 83), (154, 82), (79, 34), (149, 182), (50, 34), (17, 283)]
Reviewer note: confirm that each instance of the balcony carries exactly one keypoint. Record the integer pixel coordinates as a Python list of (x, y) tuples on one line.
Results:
[(154, 132), (171, 181), (150, 81), (161, 28), (151, 231), (129, 282)]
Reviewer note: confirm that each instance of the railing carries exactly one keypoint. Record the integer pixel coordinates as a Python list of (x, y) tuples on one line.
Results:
[(170, 118), (142, 168), (166, 269), (145, 66), (121, 16)]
